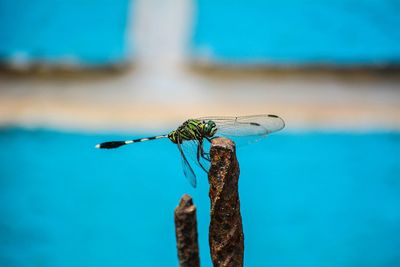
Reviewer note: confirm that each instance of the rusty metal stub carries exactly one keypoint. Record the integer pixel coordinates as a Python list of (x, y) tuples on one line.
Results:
[(225, 232), (186, 233)]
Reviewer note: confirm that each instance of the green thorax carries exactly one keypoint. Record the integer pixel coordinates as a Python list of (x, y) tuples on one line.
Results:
[(193, 129)]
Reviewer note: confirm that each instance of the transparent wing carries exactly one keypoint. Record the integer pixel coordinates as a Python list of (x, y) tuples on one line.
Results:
[(247, 125), (187, 169), (247, 129), (198, 153)]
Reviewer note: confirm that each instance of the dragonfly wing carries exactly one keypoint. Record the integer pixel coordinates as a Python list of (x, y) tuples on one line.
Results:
[(248, 125), (197, 152), (187, 169), (251, 128)]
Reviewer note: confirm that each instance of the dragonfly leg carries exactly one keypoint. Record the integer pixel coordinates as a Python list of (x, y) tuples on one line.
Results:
[(208, 138), (203, 154), (206, 156), (200, 154)]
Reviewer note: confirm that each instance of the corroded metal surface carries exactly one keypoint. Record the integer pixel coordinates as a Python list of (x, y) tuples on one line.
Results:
[(186, 233), (225, 234)]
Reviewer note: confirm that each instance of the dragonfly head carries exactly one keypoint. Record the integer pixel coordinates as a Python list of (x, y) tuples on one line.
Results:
[(210, 128)]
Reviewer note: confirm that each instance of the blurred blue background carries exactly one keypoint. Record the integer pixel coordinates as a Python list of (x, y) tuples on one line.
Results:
[(354, 32), (310, 199), (323, 192), (349, 32), (89, 32)]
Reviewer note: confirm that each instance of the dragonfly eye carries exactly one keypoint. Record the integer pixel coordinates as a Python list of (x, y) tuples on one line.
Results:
[(210, 128)]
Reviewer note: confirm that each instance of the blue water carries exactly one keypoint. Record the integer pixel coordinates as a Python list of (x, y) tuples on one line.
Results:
[(298, 31), (86, 32), (311, 199)]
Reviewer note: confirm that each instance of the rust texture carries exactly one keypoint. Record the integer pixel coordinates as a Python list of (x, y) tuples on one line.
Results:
[(226, 233), (186, 233)]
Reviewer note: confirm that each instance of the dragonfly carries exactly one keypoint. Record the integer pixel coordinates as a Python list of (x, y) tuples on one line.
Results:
[(192, 135)]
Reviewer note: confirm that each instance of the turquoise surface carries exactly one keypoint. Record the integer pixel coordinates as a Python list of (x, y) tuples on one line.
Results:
[(340, 32), (90, 32), (309, 199)]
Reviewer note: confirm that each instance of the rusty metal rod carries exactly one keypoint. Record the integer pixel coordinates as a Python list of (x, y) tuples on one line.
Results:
[(186, 233), (225, 232)]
